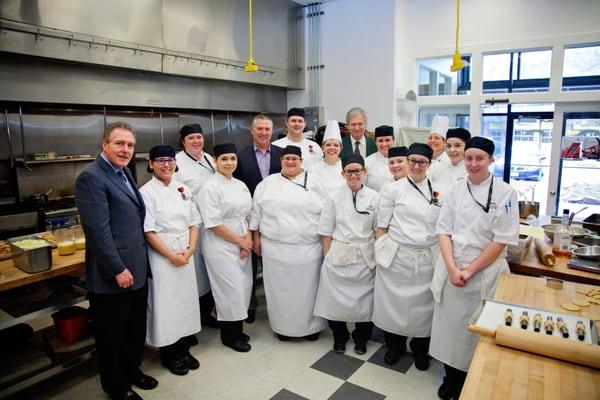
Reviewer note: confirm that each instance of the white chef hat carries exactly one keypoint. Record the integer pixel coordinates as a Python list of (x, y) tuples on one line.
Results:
[(332, 131), (439, 125)]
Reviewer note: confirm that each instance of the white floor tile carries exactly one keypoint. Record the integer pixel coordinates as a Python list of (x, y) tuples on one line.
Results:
[(314, 385)]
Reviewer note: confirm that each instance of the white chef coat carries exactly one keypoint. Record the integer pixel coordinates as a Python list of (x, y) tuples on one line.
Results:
[(403, 299), (378, 172), (471, 230), (331, 175), (226, 202), (311, 152), (173, 309), (437, 165), (195, 174), (287, 216), (449, 176), (347, 275)]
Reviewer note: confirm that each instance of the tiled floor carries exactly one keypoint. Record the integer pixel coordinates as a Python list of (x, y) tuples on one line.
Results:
[(275, 370)]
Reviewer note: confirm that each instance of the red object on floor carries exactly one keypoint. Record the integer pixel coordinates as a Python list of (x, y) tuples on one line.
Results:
[(71, 323)]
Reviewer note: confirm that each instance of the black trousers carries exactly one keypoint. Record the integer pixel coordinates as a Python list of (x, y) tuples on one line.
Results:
[(361, 333), (253, 301), (207, 305), (119, 322), (398, 342), (174, 352), (454, 380), (231, 330)]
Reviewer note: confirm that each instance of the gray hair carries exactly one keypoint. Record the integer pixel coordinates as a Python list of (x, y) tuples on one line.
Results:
[(353, 112), (262, 117)]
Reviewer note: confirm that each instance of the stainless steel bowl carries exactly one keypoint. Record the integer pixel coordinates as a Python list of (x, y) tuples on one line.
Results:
[(588, 252), (576, 231)]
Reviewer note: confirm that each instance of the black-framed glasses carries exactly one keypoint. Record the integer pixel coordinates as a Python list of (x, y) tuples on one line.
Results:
[(420, 163), (164, 160), (350, 172)]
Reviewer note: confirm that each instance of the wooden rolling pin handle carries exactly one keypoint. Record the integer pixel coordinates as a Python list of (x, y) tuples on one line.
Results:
[(544, 252), (481, 331), (549, 346)]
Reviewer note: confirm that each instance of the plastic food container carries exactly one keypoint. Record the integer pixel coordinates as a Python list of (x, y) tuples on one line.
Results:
[(71, 323), (31, 259)]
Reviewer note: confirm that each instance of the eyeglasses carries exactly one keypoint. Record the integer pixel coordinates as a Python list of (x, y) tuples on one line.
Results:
[(349, 172), (420, 163), (164, 160)]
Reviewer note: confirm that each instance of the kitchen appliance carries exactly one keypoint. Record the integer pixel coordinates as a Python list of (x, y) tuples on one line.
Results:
[(60, 213)]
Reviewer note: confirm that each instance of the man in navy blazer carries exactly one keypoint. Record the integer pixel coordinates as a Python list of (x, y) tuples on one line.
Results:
[(112, 215), (255, 163)]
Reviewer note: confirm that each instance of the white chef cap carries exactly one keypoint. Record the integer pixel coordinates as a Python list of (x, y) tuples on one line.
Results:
[(332, 131), (439, 125)]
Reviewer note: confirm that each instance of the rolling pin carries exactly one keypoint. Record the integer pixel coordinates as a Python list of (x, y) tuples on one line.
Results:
[(549, 346), (544, 252)]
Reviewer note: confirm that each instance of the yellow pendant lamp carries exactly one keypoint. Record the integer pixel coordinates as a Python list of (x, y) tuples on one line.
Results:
[(457, 61), (250, 65)]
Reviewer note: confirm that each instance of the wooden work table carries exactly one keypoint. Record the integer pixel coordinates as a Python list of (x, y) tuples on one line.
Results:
[(531, 265), (498, 372), (12, 277)]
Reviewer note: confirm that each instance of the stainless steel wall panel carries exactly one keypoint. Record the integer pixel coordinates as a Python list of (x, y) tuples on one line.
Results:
[(205, 121), (60, 177), (170, 128), (239, 126), (136, 21), (220, 125), (145, 124)]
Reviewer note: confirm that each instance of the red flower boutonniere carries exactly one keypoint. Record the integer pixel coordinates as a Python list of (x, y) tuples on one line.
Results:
[(436, 199), (181, 190), (310, 148)]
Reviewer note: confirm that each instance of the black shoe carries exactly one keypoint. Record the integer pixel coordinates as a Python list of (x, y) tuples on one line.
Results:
[(313, 337), (360, 348), (192, 340), (421, 362), (251, 316), (391, 357), (211, 321), (244, 337), (190, 362), (444, 392), (239, 345), (128, 395), (339, 348), (145, 382), (283, 338), (179, 367)]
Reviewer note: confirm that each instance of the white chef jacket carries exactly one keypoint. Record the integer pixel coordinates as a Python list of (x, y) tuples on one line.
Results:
[(195, 174), (330, 175), (347, 275), (449, 176), (378, 172), (471, 229), (173, 309), (226, 202), (287, 216), (403, 299), (437, 165), (311, 152)]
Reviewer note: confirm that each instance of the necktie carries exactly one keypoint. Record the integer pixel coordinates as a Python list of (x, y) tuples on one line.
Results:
[(126, 182), (356, 149)]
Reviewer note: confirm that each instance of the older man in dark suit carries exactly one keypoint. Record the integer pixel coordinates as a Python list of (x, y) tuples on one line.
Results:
[(112, 214), (255, 163)]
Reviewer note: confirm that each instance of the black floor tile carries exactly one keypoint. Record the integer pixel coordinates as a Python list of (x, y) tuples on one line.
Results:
[(287, 395), (338, 365), (377, 335), (405, 362), (349, 391)]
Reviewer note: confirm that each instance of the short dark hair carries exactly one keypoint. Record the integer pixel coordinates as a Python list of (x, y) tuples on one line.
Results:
[(115, 125)]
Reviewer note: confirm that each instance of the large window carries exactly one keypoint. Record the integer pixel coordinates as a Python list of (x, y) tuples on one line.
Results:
[(436, 79), (518, 71), (458, 115), (581, 68)]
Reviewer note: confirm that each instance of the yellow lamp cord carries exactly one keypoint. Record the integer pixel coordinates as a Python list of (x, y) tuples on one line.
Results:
[(250, 66), (457, 62)]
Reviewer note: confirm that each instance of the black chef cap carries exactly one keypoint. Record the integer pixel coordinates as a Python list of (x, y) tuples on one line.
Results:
[(353, 158), (460, 133), (400, 151), (189, 129), (299, 112), (161, 151), (384, 130), (295, 150), (481, 143), (421, 149), (225, 148)]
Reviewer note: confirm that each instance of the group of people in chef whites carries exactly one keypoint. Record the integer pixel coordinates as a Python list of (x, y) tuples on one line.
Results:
[(358, 231)]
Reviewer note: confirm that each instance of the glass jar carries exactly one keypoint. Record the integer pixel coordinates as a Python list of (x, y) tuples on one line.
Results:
[(65, 241), (78, 237)]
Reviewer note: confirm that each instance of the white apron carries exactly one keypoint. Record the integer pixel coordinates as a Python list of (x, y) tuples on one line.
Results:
[(378, 171), (173, 310), (195, 174), (226, 202), (471, 230), (292, 253), (403, 300), (347, 275)]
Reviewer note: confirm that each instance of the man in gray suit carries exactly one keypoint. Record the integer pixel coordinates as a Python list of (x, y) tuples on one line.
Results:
[(112, 214)]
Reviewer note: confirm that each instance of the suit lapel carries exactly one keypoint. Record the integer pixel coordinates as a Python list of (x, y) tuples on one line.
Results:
[(118, 182)]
